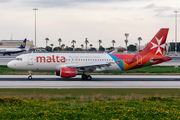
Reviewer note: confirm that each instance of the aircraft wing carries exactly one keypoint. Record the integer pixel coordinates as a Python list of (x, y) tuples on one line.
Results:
[(99, 64), (90, 67)]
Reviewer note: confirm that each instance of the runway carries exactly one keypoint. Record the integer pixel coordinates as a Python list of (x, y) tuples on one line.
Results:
[(98, 81)]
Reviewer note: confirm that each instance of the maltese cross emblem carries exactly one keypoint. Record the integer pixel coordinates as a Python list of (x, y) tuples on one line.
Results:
[(158, 45)]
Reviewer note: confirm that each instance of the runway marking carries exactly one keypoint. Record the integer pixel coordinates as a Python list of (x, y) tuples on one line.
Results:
[(98, 81)]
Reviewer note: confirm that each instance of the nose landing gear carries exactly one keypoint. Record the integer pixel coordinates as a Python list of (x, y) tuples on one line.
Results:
[(30, 75)]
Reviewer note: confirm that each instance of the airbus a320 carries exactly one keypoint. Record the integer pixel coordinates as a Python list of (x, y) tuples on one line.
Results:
[(68, 65)]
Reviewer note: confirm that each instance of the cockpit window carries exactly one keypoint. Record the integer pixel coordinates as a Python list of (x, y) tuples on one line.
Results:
[(19, 59)]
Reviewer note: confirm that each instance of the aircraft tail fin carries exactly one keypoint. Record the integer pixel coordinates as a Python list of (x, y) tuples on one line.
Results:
[(157, 44), (23, 45)]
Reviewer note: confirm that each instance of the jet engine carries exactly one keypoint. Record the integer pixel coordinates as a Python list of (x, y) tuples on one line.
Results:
[(66, 72)]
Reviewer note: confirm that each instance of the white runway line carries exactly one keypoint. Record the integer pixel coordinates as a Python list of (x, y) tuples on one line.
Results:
[(99, 81)]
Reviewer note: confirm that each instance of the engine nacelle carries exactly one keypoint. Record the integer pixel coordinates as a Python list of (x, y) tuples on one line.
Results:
[(66, 72)]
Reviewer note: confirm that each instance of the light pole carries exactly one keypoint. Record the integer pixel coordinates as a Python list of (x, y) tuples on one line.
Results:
[(176, 30), (35, 24), (167, 48)]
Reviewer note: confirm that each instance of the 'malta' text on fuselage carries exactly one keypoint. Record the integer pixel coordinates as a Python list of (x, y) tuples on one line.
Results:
[(50, 59)]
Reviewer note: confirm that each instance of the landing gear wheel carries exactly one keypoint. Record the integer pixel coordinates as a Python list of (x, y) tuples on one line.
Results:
[(88, 77), (83, 76), (30, 77)]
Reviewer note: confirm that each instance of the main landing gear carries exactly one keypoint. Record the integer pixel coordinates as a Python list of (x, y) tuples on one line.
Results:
[(30, 75), (86, 77)]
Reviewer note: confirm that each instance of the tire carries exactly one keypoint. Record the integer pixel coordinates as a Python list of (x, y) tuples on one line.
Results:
[(88, 77), (29, 77), (84, 76)]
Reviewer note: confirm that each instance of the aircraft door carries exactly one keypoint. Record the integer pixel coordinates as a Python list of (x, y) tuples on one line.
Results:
[(30, 60), (139, 60)]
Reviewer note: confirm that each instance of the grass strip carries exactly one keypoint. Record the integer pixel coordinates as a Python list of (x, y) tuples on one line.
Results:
[(89, 92)]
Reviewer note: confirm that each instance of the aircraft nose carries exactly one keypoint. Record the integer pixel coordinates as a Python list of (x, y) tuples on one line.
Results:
[(11, 65)]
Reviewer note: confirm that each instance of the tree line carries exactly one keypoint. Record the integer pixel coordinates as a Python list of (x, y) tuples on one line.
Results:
[(63, 47), (131, 47)]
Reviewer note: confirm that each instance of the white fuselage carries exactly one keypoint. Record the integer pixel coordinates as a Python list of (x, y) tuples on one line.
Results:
[(11, 50), (56, 61)]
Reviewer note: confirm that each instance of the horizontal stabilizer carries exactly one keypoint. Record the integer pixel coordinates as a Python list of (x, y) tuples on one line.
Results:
[(169, 58)]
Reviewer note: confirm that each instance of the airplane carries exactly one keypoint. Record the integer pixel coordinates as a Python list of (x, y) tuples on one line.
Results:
[(69, 65), (10, 51)]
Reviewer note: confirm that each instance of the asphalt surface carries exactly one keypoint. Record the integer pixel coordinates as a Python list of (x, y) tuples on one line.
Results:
[(98, 81)]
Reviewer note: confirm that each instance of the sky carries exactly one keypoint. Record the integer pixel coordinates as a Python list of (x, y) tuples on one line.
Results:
[(69, 20)]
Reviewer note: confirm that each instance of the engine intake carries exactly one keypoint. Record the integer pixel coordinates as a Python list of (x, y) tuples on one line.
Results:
[(66, 72)]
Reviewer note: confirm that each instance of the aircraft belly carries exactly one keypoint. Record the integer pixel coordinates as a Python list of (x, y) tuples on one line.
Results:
[(113, 67), (41, 67)]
